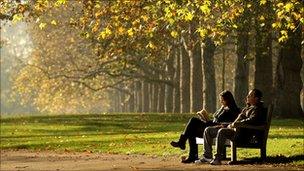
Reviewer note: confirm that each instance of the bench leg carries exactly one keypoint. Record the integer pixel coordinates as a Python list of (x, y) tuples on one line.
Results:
[(233, 153), (224, 153), (263, 153)]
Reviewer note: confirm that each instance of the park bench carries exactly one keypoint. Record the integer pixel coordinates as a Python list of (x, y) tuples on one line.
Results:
[(257, 142)]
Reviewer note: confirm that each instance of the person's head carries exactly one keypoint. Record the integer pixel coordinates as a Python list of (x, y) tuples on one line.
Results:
[(227, 99), (254, 96)]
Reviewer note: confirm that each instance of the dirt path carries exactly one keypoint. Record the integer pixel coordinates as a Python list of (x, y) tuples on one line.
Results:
[(48, 160)]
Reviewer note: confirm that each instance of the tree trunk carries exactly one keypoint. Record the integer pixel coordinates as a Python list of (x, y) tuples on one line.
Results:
[(184, 81), (113, 101), (241, 84), (161, 98), (145, 94), (288, 82), (132, 98), (223, 67), (196, 78), (263, 55), (119, 99), (176, 101), (208, 63), (124, 105), (169, 88), (155, 97), (151, 97), (139, 97)]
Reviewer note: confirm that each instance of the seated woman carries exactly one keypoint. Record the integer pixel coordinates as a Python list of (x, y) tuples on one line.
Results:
[(196, 126)]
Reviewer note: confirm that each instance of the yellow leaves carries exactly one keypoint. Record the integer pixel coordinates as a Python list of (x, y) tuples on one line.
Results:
[(97, 6), (171, 21), (288, 7), (42, 25), (280, 5), (60, 2), (284, 36), (174, 34), (205, 9), (53, 22), (121, 30), (151, 45), (263, 2), (202, 32), (105, 33), (17, 17), (98, 14), (189, 16), (296, 16), (276, 25), (131, 32), (96, 27), (145, 18)]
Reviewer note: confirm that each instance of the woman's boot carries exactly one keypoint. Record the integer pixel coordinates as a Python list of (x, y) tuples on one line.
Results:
[(193, 152), (181, 142)]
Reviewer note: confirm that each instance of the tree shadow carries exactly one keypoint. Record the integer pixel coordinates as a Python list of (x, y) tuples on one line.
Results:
[(278, 159)]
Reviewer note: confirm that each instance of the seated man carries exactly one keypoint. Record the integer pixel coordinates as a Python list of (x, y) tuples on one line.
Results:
[(252, 115)]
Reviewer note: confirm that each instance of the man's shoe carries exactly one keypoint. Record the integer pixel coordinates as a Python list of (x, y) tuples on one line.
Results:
[(203, 160), (232, 162), (188, 160), (215, 162), (177, 144)]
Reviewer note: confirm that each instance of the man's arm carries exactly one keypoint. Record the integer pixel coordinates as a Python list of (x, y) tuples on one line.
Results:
[(251, 120)]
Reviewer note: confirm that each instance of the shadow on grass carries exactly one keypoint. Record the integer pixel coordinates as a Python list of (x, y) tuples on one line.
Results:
[(279, 159), (107, 124)]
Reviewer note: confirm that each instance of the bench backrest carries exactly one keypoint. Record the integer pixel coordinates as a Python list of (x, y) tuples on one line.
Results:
[(268, 122)]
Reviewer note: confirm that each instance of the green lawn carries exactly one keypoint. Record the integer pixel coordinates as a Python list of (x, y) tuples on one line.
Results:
[(132, 133)]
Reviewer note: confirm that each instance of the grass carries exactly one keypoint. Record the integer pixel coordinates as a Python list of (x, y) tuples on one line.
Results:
[(148, 134)]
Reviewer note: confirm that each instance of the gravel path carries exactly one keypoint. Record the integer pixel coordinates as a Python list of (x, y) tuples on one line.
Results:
[(49, 160)]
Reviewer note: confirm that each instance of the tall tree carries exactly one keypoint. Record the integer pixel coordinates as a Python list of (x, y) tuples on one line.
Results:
[(208, 64), (176, 103), (193, 48), (169, 87), (184, 81), (145, 94), (241, 84), (161, 98), (288, 82), (263, 50)]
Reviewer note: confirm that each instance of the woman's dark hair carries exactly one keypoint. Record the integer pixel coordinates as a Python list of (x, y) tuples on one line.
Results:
[(257, 93), (229, 99)]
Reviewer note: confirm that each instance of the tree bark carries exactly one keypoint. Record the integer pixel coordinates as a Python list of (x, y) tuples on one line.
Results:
[(151, 97), (208, 63), (288, 82), (176, 100), (161, 98), (155, 97), (241, 84), (169, 88), (196, 78), (145, 94), (263, 58), (223, 67), (139, 96), (132, 98), (184, 81)]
